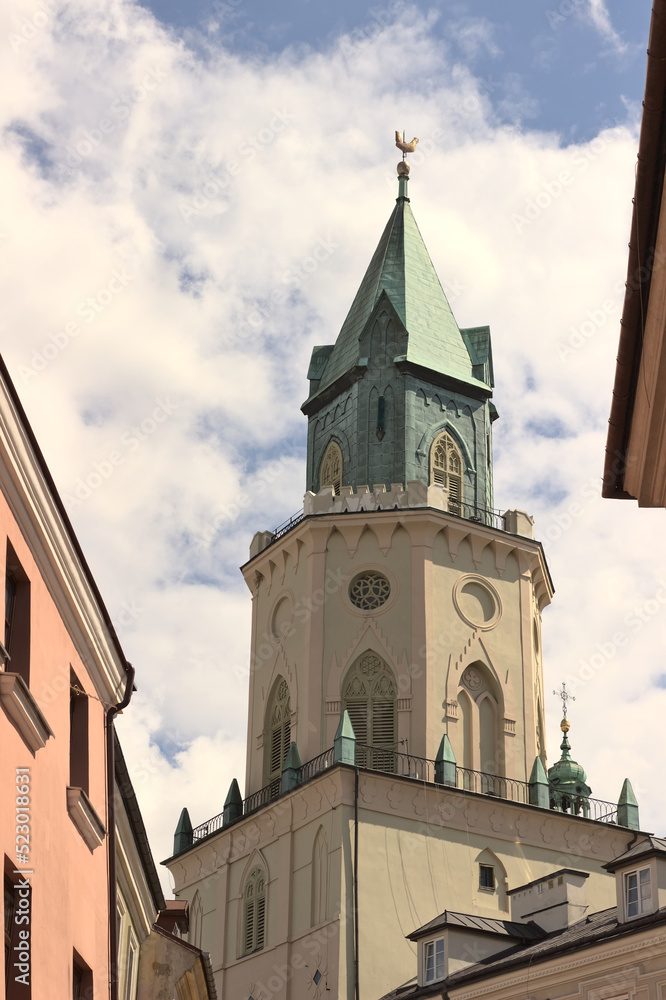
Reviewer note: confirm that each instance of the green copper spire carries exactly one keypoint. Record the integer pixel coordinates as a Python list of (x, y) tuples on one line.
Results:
[(401, 268), (400, 375), (569, 790)]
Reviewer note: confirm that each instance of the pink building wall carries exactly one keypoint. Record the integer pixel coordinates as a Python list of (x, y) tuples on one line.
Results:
[(70, 898)]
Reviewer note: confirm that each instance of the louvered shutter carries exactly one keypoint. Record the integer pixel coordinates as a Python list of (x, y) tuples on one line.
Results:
[(277, 735), (286, 740), (276, 751), (454, 491), (261, 922), (249, 923), (383, 732)]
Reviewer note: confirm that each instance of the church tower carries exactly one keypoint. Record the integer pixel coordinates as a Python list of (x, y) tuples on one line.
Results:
[(400, 594), (395, 751)]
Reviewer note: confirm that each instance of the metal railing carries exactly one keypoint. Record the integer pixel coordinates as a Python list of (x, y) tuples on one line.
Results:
[(580, 805), (394, 762), (484, 783), (315, 766), (480, 515), (389, 761), (210, 826), (287, 525)]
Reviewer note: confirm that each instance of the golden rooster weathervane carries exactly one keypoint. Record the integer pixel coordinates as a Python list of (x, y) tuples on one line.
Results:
[(406, 147)]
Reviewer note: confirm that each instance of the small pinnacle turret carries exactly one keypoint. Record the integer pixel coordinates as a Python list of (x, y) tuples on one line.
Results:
[(567, 779)]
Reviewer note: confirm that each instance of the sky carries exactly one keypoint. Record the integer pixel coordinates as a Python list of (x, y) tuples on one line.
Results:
[(167, 169)]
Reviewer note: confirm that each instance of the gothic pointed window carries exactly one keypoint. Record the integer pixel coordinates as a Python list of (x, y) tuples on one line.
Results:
[(277, 736), (446, 470), (369, 695), (331, 468), (319, 878), (254, 911)]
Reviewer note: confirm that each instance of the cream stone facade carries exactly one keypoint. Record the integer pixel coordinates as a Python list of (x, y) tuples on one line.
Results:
[(419, 847), (461, 626)]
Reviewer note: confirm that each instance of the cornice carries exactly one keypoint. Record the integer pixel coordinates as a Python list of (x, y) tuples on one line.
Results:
[(40, 515), (314, 530)]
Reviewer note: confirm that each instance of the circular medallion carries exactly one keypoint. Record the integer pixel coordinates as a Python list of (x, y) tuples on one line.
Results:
[(477, 602), (369, 590), (472, 679), (281, 618)]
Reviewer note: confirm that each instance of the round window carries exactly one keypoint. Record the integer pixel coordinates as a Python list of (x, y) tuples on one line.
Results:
[(369, 591)]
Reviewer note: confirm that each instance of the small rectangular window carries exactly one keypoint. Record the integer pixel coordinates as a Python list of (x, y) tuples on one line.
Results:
[(17, 895), (9, 918), (434, 960), (486, 877), (638, 892), (17, 617), (540, 887), (78, 735), (82, 979)]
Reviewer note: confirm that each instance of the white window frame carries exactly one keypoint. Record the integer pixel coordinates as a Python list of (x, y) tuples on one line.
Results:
[(127, 943), (643, 903), (487, 888), (435, 949)]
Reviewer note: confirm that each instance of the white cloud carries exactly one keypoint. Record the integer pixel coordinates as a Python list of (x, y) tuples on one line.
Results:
[(475, 36), (598, 14), (210, 182)]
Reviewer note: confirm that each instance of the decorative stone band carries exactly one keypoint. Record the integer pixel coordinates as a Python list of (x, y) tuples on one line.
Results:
[(414, 494)]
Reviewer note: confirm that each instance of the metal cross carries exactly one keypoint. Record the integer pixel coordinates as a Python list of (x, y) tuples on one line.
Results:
[(565, 698)]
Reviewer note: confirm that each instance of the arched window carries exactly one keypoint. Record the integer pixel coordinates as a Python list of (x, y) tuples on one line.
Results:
[(446, 470), (466, 722), (196, 920), (254, 911), (277, 734), (369, 695), (488, 734), (319, 878), (479, 700), (331, 468)]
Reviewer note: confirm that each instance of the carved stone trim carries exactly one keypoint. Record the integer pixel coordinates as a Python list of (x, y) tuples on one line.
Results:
[(510, 727), (452, 709), (84, 817), (404, 704), (333, 707), (24, 711)]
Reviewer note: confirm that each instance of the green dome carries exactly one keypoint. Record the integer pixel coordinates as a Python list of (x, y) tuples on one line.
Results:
[(567, 775)]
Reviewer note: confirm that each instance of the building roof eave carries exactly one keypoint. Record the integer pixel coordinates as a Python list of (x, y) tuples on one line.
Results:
[(650, 171)]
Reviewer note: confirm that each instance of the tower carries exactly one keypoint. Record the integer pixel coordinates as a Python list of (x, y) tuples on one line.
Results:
[(399, 555), (395, 750)]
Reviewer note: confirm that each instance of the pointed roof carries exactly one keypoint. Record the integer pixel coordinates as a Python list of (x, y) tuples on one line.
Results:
[(401, 268), (649, 847)]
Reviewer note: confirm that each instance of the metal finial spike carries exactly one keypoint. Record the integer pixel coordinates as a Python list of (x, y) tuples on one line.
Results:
[(565, 696)]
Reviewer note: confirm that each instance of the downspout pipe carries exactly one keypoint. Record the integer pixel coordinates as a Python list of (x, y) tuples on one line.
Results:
[(111, 828)]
